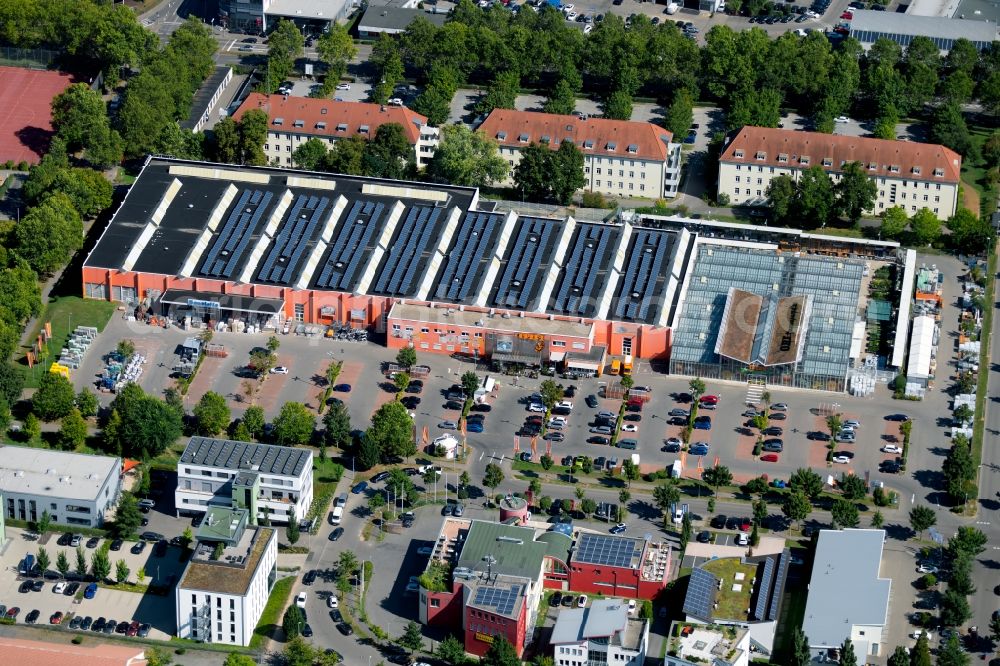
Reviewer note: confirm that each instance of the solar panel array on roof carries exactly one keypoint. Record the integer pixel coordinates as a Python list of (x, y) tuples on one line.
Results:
[(230, 454), (779, 584), (607, 550), (413, 239), (523, 260), (700, 596), (472, 244), (764, 582), (293, 239), (353, 236), (650, 249), (233, 239), (587, 256), (501, 599)]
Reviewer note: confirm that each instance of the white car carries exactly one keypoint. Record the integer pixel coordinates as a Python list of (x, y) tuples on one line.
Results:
[(589, 28), (565, 404), (568, 8), (779, 407), (632, 606), (742, 539), (395, 101), (571, 16), (678, 516), (842, 119), (582, 601), (59, 588), (892, 448), (851, 423), (536, 407), (448, 425), (343, 86), (333, 602), (811, 14), (927, 569), (916, 634), (280, 370), (557, 422), (842, 460), (630, 427), (300, 599)]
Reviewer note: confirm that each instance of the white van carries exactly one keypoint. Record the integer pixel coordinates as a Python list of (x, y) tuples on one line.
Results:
[(337, 515)]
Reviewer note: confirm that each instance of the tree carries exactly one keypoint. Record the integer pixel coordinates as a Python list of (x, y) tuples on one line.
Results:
[(759, 512), (958, 468), (949, 129), (337, 427), (627, 382), (252, 136), (225, 146), (389, 154), (141, 426), (546, 462), (756, 486), (54, 398), (926, 227), (211, 414), (696, 387), (470, 384), (406, 357), (502, 93), (62, 563), (309, 155), (618, 105), (466, 158), (81, 121), (878, 520), (852, 487), (847, 656), (127, 517), (844, 513), (451, 651), (388, 67), (369, 452), (666, 495), (807, 482), (72, 431), (100, 565), (11, 382), (796, 506), (952, 653), (43, 560), (680, 113), (551, 393), (237, 659), (501, 653), (815, 198), (922, 518), (967, 540), (630, 471), (800, 648), (402, 381), (954, 607), (253, 419), (970, 234), (292, 530), (412, 638), (885, 124), (294, 425), (588, 506), (717, 475), (893, 223), (921, 653), (122, 571), (81, 562), (493, 476), (543, 174), (561, 99), (392, 431), (297, 651), (86, 403), (292, 622), (995, 628), (855, 192), (335, 48)]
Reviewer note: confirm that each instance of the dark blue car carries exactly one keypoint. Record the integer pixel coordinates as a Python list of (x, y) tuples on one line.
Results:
[(703, 423), (359, 487)]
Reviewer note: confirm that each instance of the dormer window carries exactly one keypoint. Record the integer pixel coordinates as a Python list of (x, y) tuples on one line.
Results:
[(322, 112), (872, 166), (342, 127), (611, 147), (782, 157), (804, 159), (545, 138), (364, 129), (523, 138), (501, 136), (321, 125), (299, 123), (567, 139), (588, 144), (569, 128), (915, 170), (827, 161), (893, 168), (760, 155), (633, 148), (738, 154), (939, 172), (278, 121)]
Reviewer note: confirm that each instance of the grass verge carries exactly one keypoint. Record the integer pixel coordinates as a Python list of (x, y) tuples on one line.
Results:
[(270, 618), (66, 313), (979, 427)]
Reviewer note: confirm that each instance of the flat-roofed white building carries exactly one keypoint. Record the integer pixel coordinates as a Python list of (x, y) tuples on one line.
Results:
[(908, 174), (604, 633), (276, 481), (75, 488)]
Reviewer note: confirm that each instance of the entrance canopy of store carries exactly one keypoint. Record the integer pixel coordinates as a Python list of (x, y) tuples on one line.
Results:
[(230, 302)]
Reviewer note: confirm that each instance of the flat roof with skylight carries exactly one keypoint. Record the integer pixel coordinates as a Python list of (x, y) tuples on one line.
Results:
[(79, 476)]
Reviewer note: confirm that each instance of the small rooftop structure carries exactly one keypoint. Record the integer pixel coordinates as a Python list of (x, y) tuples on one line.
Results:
[(223, 525)]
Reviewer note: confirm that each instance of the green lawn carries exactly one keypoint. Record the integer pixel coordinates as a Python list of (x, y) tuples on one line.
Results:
[(732, 605), (66, 313), (270, 619)]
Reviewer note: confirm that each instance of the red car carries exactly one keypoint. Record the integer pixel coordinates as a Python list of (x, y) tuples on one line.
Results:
[(133, 628), (847, 15), (745, 525), (769, 457), (56, 618), (709, 400)]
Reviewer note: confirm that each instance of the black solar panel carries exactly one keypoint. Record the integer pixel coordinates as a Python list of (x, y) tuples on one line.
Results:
[(779, 584), (234, 237), (347, 248), (580, 273), (524, 258), (650, 249), (295, 236), (702, 586), (763, 587), (501, 599), (474, 240), (400, 265), (607, 550)]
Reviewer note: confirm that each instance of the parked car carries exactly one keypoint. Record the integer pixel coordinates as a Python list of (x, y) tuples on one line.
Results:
[(90, 591), (892, 448), (32, 617), (310, 577), (703, 423), (71, 589), (618, 529), (842, 458), (138, 548), (591, 401), (779, 407), (769, 457), (300, 599), (673, 445), (359, 487)]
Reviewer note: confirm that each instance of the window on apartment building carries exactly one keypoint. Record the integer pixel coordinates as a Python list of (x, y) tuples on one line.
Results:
[(893, 168), (938, 172), (804, 159), (760, 181), (642, 188), (935, 212), (758, 192), (782, 158), (760, 155), (937, 199), (558, 343), (738, 154)]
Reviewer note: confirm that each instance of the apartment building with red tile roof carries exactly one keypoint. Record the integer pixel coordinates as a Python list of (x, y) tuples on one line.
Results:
[(622, 158), (294, 120), (908, 174)]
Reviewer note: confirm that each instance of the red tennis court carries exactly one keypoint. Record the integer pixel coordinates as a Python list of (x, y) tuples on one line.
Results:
[(26, 111)]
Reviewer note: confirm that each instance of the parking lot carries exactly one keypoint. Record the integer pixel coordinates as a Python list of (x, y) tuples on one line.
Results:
[(158, 611)]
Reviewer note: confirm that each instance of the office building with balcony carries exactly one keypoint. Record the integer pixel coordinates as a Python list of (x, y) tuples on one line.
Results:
[(276, 481), (621, 158), (225, 585), (75, 488)]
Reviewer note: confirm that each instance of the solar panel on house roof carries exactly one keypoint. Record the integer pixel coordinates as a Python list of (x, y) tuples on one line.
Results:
[(650, 250), (234, 237), (534, 237), (296, 234), (501, 599), (702, 586), (347, 248), (763, 587), (607, 550), (587, 256), (472, 243), (779, 584), (413, 239)]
